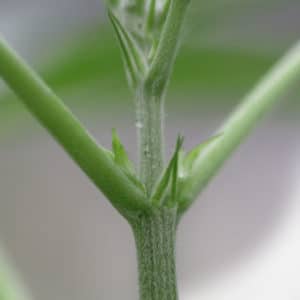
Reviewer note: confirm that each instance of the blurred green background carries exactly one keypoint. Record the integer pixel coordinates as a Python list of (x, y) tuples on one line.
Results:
[(64, 238)]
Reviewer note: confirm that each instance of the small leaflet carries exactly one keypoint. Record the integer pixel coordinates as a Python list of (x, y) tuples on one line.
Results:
[(131, 53), (120, 157), (168, 181)]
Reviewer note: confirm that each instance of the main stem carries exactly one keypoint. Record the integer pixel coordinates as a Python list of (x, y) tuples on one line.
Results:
[(155, 241), (149, 115), (154, 231)]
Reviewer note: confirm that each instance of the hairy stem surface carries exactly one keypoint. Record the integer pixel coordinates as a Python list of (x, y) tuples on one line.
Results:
[(150, 121), (155, 243)]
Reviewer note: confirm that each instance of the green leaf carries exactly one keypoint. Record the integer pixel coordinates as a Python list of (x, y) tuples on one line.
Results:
[(135, 9), (169, 177), (151, 15), (174, 184), (113, 3), (164, 12), (11, 288), (120, 157), (120, 154), (164, 58), (132, 55)]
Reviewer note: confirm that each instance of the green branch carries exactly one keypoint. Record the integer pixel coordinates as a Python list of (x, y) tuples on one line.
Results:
[(240, 123), (67, 130)]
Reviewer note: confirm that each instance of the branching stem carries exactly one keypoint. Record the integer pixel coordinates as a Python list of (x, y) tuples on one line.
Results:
[(68, 131), (154, 228), (150, 117)]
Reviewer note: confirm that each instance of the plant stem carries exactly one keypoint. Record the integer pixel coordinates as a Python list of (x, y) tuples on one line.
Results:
[(241, 122), (44, 104), (155, 236), (150, 122), (150, 96)]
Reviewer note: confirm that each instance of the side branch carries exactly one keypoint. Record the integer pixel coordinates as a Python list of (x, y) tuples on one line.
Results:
[(241, 122), (68, 131)]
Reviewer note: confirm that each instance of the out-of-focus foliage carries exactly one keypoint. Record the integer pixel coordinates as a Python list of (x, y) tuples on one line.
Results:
[(201, 67), (10, 287), (93, 64), (97, 58)]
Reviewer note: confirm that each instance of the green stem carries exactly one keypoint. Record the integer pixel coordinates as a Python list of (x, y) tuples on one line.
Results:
[(69, 132), (150, 122), (155, 236), (241, 122)]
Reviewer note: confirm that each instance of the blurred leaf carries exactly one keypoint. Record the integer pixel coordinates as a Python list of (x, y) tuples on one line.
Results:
[(96, 58), (151, 15), (93, 63), (10, 287)]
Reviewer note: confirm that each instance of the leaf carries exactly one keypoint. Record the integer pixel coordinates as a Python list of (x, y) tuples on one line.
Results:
[(170, 175), (151, 15), (179, 143), (191, 157), (120, 154), (131, 52), (120, 157), (164, 12), (11, 287), (113, 3), (135, 8)]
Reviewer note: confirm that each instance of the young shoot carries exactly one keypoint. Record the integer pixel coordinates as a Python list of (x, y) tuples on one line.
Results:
[(154, 195)]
